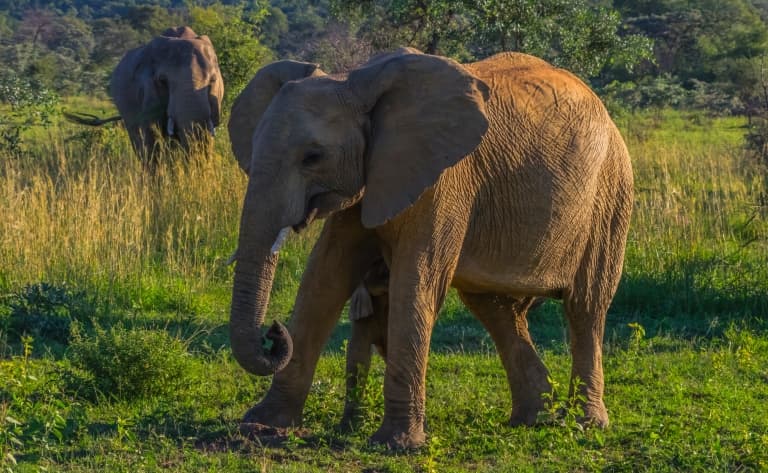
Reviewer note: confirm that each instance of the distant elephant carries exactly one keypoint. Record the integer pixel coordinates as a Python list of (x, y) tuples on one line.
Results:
[(504, 178), (167, 87)]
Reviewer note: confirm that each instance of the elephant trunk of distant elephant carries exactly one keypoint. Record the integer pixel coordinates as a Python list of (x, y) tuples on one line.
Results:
[(190, 111), (254, 274)]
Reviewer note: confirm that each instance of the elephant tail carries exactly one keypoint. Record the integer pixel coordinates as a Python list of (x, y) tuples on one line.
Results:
[(88, 119)]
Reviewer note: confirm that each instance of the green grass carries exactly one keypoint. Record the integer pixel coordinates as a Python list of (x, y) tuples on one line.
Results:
[(686, 346)]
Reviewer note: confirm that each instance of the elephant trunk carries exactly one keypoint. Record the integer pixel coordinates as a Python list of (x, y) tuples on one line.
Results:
[(254, 274), (188, 109)]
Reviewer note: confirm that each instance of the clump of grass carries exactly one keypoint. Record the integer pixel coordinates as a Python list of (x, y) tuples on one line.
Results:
[(45, 311), (128, 363)]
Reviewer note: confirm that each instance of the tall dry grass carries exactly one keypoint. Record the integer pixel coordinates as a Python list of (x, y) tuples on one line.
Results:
[(84, 211), (698, 244)]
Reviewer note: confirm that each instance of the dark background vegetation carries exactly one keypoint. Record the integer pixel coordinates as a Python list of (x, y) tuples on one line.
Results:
[(702, 53)]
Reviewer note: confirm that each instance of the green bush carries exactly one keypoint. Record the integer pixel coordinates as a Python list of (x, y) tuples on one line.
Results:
[(46, 311), (128, 363), (27, 103)]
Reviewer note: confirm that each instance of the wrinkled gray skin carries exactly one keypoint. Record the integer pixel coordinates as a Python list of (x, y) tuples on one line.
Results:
[(504, 178), (170, 87)]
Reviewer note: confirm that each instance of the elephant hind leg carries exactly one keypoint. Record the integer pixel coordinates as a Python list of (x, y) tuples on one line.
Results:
[(586, 324), (586, 303), (505, 319)]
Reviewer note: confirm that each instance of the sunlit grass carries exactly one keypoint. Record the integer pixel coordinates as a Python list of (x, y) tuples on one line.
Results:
[(87, 213), (698, 245)]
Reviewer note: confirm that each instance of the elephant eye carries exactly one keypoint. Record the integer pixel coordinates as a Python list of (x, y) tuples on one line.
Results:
[(312, 158)]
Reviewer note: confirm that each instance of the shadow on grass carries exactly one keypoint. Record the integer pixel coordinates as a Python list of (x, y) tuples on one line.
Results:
[(695, 301), (698, 298)]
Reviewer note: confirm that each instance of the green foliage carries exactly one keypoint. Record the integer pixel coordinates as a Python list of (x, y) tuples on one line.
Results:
[(234, 33), (719, 42), (129, 363), (637, 338), (650, 92), (33, 415), (46, 311), (711, 49), (294, 26), (27, 104), (570, 33), (565, 411)]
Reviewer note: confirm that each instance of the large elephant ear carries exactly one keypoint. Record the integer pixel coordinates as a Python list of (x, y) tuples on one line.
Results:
[(427, 113), (250, 105)]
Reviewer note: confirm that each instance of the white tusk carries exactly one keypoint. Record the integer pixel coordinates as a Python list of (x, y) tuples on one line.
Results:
[(211, 128), (280, 240), (232, 258), (170, 127)]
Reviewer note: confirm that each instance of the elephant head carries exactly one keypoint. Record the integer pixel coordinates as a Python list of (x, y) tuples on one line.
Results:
[(173, 83), (315, 144)]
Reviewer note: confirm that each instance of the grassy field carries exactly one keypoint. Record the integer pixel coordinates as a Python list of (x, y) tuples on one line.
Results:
[(113, 325)]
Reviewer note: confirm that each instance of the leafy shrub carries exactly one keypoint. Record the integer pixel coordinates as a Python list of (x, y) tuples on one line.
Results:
[(648, 92), (715, 98), (29, 104), (46, 311), (34, 414), (128, 363)]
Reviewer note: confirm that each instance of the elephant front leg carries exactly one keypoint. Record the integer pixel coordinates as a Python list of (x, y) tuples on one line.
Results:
[(418, 283), (338, 262)]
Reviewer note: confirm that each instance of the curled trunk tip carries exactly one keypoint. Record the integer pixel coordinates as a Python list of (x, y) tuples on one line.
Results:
[(265, 361), (282, 345)]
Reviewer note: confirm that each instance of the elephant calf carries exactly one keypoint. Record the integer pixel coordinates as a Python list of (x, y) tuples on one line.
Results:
[(368, 314), (368, 309)]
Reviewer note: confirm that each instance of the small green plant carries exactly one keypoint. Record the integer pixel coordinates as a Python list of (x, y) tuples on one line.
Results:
[(45, 311), (10, 431), (129, 363), (435, 451), (637, 338), (294, 441), (32, 413), (565, 412)]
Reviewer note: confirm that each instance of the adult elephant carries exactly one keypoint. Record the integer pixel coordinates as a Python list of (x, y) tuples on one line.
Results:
[(166, 88), (505, 178)]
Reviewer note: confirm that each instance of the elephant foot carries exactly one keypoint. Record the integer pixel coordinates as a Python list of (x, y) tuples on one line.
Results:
[(268, 414), (527, 407), (398, 438), (525, 416), (595, 415), (350, 421)]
